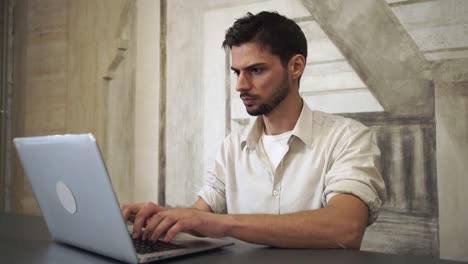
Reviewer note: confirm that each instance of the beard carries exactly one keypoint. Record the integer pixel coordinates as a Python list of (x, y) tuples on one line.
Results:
[(278, 95)]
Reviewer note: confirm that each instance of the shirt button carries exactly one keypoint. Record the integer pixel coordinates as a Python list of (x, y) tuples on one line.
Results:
[(275, 193)]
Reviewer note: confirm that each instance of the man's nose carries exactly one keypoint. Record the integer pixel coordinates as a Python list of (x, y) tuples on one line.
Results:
[(243, 83)]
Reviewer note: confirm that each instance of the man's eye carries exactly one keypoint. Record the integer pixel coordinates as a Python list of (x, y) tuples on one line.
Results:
[(256, 70), (236, 73)]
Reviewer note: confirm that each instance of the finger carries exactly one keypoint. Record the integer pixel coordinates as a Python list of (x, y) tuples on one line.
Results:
[(144, 215), (148, 210), (163, 226), (129, 211), (180, 226), (131, 218), (151, 224)]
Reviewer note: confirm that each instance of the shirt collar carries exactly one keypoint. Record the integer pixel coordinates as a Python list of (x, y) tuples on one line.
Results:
[(302, 129), (304, 125)]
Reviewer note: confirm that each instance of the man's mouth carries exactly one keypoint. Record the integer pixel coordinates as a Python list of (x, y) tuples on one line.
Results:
[(248, 100)]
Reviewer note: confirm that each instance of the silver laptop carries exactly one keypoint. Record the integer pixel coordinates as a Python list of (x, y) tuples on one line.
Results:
[(74, 192)]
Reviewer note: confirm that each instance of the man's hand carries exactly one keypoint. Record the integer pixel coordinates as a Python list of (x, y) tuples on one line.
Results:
[(193, 221), (140, 214)]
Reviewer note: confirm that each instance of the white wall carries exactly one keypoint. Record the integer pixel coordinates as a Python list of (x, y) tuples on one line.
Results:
[(147, 100)]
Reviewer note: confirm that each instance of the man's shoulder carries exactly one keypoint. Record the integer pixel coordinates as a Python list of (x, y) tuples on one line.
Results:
[(338, 131), (239, 134), (336, 123)]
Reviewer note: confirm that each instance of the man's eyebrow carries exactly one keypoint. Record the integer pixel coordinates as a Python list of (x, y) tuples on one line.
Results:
[(255, 65)]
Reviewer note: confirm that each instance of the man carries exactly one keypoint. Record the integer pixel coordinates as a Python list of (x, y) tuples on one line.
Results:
[(295, 178)]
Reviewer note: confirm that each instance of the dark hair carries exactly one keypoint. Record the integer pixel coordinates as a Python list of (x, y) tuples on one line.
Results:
[(277, 33)]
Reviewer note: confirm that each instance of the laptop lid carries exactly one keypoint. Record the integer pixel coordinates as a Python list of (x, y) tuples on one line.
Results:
[(70, 182)]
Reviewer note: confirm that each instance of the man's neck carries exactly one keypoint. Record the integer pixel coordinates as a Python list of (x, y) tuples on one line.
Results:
[(284, 117)]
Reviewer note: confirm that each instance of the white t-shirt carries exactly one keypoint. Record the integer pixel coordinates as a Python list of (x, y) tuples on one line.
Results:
[(275, 146)]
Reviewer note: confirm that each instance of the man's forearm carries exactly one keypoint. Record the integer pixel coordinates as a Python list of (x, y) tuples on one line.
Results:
[(323, 228), (340, 225), (202, 206), (299, 230)]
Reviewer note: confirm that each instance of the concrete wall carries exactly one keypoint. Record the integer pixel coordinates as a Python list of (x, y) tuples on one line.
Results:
[(184, 103), (451, 101)]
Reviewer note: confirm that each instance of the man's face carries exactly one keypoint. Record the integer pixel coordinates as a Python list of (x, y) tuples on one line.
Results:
[(262, 80)]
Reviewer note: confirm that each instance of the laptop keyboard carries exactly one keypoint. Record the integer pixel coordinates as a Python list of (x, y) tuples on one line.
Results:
[(146, 246)]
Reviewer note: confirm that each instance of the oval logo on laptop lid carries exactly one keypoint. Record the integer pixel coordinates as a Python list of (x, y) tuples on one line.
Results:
[(66, 197)]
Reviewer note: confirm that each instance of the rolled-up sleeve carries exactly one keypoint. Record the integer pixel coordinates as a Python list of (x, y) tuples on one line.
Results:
[(355, 170), (213, 191)]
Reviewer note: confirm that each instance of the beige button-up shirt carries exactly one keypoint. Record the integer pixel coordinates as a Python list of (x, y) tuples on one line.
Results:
[(326, 155)]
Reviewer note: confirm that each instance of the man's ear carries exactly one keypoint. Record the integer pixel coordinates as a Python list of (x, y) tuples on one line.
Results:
[(296, 66)]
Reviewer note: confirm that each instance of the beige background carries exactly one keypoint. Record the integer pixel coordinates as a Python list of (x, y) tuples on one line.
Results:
[(75, 73), (93, 66)]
